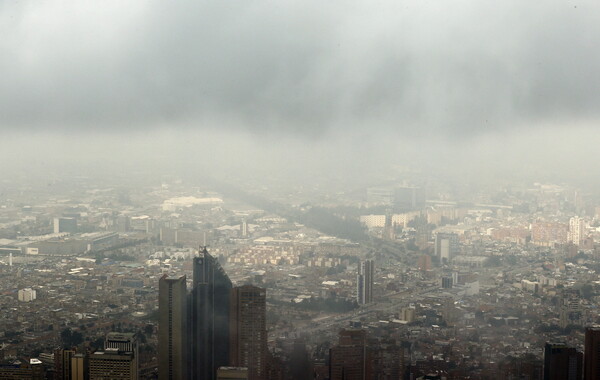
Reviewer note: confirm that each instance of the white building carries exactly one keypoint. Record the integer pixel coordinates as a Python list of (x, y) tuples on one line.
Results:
[(576, 230), (373, 221), (27, 295)]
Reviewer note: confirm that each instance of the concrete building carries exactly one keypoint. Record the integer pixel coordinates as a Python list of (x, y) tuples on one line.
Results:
[(172, 328), (62, 363), (446, 246), (112, 364), (364, 282), (562, 362), (68, 225), (591, 359), (349, 359), (79, 367), (27, 295), (125, 342), (576, 231), (248, 331)]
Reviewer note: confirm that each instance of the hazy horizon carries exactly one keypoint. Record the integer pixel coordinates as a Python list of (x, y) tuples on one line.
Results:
[(302, 88)]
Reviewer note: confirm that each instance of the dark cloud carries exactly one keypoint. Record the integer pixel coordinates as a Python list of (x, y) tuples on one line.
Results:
[(418, 68)]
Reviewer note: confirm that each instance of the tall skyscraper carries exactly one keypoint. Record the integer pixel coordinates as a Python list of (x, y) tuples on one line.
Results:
[(446, 246), (562, 362), (364, 282), (79, 367), (172, 329), (349, 360), (248, 330), (576, 230), (209, 317), (591, 358), (62, 364), (244, 229)]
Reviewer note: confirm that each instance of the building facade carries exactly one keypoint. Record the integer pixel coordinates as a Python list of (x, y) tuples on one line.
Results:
[(248, 330), (364, 282), (172, 329), (209, 317)]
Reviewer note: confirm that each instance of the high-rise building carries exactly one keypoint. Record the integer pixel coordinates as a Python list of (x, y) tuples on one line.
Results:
[(364, 282), (244, 229), (79, 367), (248, 330), (299, 361), (591, 354), (112, 364), (562, 362), (576, 233), (446, 246), (125, 342), (571, 310), (209, 317), (65, 225), (349, 359), (447, 282), (172, 329), (62, 364)]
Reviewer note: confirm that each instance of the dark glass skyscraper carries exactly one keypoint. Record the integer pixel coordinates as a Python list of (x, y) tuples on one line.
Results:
[(209, 317)]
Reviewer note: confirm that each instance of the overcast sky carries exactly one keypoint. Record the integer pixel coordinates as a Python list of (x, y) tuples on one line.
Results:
[(459, 81)]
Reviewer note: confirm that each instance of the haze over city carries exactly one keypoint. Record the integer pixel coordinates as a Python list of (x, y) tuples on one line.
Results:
[(406, 185), (509, 87)]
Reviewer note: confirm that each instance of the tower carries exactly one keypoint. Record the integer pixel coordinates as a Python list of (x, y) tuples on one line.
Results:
[(576, 230), (209, 317), (244, 229), (62, 364), (446, 246), (248, 330), (349, 360), (364, 282), (172, 329), (79, 367), (562, 362), (591, 358)]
